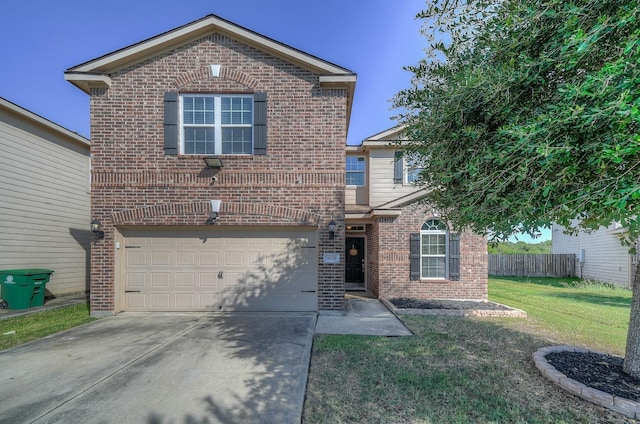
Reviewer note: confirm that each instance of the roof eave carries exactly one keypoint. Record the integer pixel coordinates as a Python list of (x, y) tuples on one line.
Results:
[(119, 59), (37, 119)]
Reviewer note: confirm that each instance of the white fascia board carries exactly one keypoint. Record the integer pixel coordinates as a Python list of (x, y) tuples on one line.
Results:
[(383, 136), (152, 46), (86, 81)]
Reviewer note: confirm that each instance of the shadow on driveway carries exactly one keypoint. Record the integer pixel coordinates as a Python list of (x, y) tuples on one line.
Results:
[(163, 368)]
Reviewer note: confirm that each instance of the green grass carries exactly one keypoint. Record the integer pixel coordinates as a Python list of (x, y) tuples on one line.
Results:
[(469, 370), (18, 330), (568, 310)]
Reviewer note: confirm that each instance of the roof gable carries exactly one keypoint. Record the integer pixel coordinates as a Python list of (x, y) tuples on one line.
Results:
[(96, 71)]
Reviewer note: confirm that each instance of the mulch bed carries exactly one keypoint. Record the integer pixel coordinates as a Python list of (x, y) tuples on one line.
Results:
[(459, 305), (597, 370)]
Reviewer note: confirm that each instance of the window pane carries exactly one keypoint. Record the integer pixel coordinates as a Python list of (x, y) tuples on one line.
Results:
[(355, 164), (433, 267), (198, 141), (236, 140), (433, 244), (355, 178), (197, 110), (236, 111)]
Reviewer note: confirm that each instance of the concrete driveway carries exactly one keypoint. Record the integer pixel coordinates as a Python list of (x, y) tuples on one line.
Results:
[(160, 368)]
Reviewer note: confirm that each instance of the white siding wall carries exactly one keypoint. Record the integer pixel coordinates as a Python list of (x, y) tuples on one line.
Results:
[(381, 184), (44, 203), (606, 259)]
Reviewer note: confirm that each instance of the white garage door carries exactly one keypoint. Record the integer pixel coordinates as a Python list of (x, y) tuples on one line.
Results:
[(220, 270)]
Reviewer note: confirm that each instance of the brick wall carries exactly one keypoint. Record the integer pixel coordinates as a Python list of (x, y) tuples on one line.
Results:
[(299, 182), (393, 262)]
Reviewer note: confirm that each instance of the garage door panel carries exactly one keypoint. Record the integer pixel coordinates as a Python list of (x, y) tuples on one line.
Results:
[(209, 258), (220, 270), (160, 279), (185, 258), (185, 279)]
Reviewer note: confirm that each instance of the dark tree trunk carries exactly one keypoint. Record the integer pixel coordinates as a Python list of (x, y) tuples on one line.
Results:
[(631, 363)]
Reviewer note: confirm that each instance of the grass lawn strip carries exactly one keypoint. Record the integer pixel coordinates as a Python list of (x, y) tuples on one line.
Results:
[(18, 330)]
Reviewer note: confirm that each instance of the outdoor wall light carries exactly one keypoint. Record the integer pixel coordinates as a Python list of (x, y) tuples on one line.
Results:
[(215, 211), (96, 229), (332, 230), (214, 163)]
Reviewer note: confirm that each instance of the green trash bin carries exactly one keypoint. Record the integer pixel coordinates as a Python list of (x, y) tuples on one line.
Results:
[(24, 288)]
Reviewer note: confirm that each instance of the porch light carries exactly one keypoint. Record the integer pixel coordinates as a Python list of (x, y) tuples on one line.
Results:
[(212, 162), (332, 230), (215, 211), (96, 229)]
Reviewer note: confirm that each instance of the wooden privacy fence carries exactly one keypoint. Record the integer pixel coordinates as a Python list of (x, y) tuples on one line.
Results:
[(552, 265)]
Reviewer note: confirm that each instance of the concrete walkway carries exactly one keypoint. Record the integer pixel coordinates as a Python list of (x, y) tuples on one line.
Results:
[(363, 316)]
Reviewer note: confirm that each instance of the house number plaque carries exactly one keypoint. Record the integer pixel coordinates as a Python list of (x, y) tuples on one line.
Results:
[(331, 258)]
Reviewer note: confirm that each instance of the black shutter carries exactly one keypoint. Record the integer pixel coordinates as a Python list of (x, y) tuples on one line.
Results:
[(397, 167), (414, 256), (171, 123), (260, 124), (454, 257)]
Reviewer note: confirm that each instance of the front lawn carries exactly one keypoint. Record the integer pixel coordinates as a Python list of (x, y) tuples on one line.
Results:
[(461, 370)]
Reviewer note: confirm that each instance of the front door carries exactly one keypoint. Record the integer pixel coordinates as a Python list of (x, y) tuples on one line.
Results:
[(354, 263)]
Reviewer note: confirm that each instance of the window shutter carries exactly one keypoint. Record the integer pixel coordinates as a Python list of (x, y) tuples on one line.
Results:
[(414, 256), (171, 123), (454, 257), (397, 167), (260, 123)]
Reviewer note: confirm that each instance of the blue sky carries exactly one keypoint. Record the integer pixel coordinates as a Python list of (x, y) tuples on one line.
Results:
[(43, 38)]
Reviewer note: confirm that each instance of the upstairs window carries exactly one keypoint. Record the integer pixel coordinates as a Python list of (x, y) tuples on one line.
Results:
[(355, 170), (411, 170), (206, 124), (216, 125)]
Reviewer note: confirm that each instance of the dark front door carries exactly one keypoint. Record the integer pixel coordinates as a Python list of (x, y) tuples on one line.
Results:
[(354, 263)]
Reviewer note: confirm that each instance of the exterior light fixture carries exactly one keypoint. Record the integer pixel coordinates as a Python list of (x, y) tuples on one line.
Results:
[(96, 229), (212, 162), (215, 211), (332, 230)]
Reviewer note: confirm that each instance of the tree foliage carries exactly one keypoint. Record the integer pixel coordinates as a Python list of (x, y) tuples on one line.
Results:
[(526, 112), (520, 247)]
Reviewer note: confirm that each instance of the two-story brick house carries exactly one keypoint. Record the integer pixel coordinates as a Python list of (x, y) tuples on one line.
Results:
[(277, 119), (260, 226), (395, 245)]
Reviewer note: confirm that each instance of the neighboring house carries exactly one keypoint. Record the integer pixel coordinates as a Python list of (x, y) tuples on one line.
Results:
[(396, 246), (45, 199), (599, 255), (262, 230)]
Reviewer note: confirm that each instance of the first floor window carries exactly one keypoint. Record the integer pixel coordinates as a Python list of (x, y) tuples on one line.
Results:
[(433, 249), (216, 124)]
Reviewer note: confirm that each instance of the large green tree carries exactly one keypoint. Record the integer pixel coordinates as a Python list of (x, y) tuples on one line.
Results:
[(526, 112)]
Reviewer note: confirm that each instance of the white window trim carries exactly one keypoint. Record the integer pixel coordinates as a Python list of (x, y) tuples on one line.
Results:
[(364, 172), (217, 123), (445, 255)]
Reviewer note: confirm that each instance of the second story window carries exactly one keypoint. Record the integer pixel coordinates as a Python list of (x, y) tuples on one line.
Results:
[(216, 125), (355, 170), (412, 170)]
